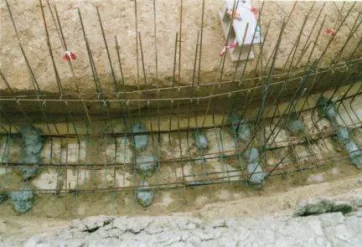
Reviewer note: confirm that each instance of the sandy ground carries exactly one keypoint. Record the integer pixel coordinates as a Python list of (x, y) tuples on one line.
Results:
[(119, 20)]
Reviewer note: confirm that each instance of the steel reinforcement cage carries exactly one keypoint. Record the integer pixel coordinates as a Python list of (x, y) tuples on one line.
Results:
[(82, 130)]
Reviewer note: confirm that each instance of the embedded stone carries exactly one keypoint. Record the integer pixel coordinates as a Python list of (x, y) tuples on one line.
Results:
[(32, 141), (355, 154), (343, 134), (29, 172), (296, 126), (327, 108), (22, 200), (257, 175), (234, 120), (139, 142), (146, 164), (144, 195), (244, 131), (200, 140), (252, 155)]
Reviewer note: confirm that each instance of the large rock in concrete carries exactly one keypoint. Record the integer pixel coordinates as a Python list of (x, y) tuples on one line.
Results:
[(327, 108), (200, 140), (355, 154), (343, 134), (294, 124), (244, 131), (146, 164), (32, 141), (252, 155), (240, 127), (234, 121), (22, 200), (144, 195), (257, 175), (254, 169), (29, 172), (32, 144), (139, 142)]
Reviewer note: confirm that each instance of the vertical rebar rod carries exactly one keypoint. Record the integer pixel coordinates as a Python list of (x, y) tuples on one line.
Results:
[(142, 60), (296, 44), (270, 78), (119, 59), (32, 75), (201, 40), (250, 47), (195, 60), (57, 78), (305, 47), (174, 62), (240, 51), (235, 6), (333, 36), (155, 39), (107, 50), (180, 41), (137, 52), (34, 81), (355, 27), (90, 57), (62, 37)]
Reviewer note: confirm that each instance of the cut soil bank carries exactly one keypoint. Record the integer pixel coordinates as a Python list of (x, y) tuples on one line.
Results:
[(119, 19)]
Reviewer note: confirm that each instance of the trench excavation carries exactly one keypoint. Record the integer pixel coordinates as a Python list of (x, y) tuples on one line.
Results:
[(294, 109)]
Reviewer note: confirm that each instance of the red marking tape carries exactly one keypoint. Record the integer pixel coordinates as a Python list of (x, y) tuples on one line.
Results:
[(330, 31), (69, 55)]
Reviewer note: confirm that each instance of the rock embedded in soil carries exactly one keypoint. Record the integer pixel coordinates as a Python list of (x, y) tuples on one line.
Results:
[(244, 131), (144, 195), (32, 144), (295, 126), (29, 172), (146, 164), (355, 154), (239, 127), (327, 108), (257, 175), (343, 134), (22, 200), (252, 155), (139, 142), (32, 141), (200, 140), (234, 120), (255, 171)]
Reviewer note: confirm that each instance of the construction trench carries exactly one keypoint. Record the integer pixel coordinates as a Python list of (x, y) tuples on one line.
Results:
[(148, 118)]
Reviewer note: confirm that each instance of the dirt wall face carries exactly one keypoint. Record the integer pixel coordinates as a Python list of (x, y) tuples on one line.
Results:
[(124, 19)]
